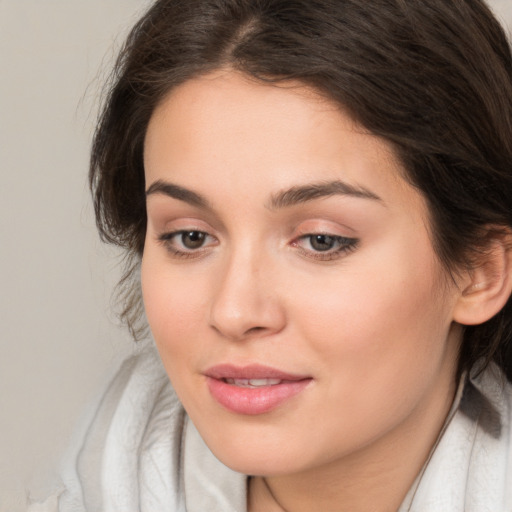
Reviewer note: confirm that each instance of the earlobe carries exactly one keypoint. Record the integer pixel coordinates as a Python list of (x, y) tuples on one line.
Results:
[(489, 284)]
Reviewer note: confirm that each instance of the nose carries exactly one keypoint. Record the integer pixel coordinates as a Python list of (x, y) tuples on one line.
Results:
[(246, 301)]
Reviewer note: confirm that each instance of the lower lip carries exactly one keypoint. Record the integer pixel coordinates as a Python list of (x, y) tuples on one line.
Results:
[(254, 401)]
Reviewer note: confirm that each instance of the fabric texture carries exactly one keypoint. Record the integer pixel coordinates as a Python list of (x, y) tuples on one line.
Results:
[(140, 452)]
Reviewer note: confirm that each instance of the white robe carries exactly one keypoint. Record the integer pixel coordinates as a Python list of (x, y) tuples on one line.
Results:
[(140, 452)]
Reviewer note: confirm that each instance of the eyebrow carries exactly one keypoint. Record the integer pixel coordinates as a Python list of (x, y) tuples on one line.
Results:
[(284, 199), (177, 192), (304, 193)]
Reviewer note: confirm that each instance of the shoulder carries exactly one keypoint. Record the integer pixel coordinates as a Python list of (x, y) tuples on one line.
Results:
[(487, 405), (131, 436), (470, 469), (486, 410), (138, 452)]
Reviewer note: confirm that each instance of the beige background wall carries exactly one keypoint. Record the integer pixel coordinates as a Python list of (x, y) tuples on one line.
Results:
[(58, 336)]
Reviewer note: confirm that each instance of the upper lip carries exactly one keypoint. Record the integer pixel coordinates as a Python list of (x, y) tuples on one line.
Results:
[(252, 371)]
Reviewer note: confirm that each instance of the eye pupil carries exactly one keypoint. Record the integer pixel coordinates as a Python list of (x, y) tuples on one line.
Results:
[(193, 239), (322, 242)]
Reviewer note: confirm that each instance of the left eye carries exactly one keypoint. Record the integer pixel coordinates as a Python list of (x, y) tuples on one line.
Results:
[(322, 242), (326, 246)]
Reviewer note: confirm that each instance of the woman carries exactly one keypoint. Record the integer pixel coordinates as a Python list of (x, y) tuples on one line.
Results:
[(316, 196)]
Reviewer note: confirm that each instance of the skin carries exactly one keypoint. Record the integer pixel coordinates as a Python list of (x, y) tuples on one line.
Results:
[(371, 325)]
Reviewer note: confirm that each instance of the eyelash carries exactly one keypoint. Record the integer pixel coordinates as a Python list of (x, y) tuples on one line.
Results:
[(345, 245), (167, 240)]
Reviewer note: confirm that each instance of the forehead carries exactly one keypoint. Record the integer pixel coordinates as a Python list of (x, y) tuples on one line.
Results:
[(228, 128)]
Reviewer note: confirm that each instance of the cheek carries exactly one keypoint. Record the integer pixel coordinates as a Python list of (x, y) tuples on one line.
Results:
[(176, 311), (384, 311), (174, 308), (375, 335)]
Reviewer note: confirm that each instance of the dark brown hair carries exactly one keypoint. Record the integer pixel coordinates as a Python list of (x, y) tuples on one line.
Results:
[(433, 77)]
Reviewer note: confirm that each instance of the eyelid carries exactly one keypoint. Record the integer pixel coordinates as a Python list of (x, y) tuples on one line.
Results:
[(325, 227), (347, 243), (166, 214), (167, 238), (330, 255)]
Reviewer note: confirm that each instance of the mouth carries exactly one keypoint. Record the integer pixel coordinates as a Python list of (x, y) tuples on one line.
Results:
[(253, 383), (254, 389)]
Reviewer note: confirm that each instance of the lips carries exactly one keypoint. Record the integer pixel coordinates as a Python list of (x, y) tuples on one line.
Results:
[(253, 383), (253, 389)]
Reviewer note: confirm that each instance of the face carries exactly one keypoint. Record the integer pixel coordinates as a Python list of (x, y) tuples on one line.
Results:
[(289, 278)]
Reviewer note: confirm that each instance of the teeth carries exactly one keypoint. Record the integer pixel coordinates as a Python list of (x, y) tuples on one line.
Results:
[(253, 383), (263, 382)]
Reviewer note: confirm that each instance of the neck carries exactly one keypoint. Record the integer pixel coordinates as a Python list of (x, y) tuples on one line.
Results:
[(376, 478)]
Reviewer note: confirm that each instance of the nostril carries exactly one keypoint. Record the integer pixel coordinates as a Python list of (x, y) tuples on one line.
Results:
[(253, 330)]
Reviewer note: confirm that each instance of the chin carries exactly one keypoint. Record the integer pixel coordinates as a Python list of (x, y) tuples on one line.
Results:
[(257, 464), (256, 451)]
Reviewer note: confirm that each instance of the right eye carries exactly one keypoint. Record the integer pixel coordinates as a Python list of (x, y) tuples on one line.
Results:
[(186, 243)]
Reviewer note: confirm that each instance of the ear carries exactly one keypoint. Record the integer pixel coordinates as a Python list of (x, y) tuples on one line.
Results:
[(488, 284)]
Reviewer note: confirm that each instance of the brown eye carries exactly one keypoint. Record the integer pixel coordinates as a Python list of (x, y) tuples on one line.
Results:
[(324, 247), (193, 239), (187, 243), (322, 242)]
